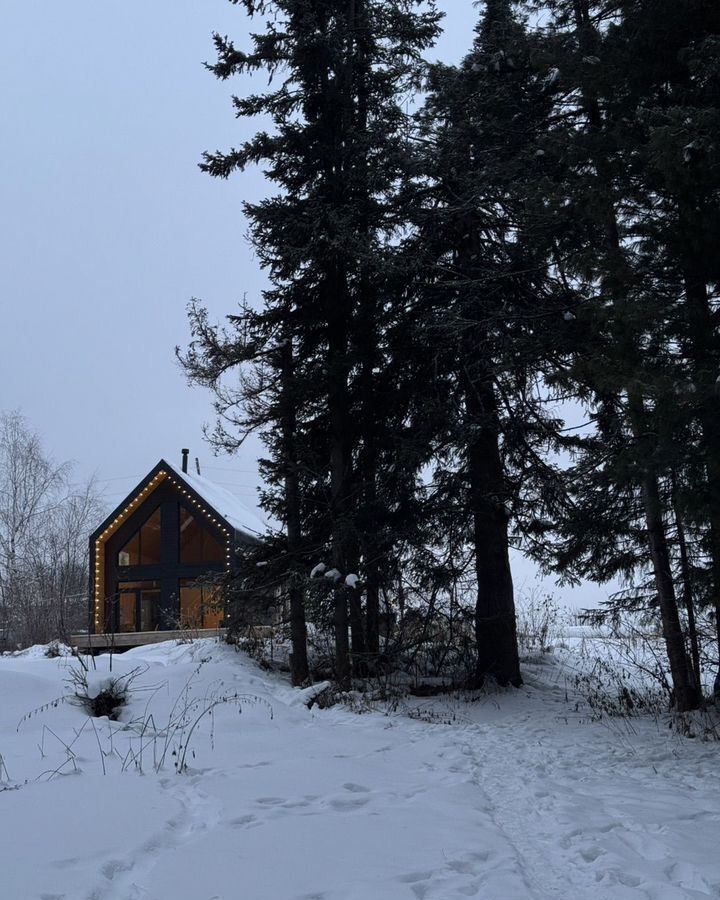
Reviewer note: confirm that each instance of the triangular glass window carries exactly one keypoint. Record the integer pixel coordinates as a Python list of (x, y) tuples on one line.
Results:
[(143, 548), (197, 544)]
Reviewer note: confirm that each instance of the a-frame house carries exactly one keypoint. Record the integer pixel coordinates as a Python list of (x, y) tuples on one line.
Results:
[(154, 556)]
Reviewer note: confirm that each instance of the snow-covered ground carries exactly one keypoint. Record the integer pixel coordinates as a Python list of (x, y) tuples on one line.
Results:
[(514, 795)]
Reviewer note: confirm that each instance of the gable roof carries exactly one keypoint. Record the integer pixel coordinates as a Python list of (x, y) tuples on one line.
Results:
[(225, 504), (247, 524)]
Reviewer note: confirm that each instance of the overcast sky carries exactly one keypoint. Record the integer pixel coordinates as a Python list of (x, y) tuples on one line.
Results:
[(108, 227)]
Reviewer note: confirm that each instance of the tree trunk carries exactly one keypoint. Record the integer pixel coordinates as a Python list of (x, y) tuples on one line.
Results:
[(338, 305), (339, 465), (686, 694), (495, 626), (703, 353), (337, 301), (687, 590), (357, 626), (288, 423), (372, 599), (615, 279), (367, 327)]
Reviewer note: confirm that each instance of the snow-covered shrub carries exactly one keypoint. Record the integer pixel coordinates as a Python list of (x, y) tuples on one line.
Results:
[(56, 649), (102, 694)]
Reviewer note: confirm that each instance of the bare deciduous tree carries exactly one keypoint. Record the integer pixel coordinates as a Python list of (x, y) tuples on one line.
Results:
[(44, 523)]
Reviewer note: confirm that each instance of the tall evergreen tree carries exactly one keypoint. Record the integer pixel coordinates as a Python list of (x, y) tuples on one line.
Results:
[(486, 243), (671, 53), (626, 361), (337, 151)]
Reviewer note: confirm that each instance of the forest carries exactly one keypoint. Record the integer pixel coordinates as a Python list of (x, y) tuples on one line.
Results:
[(491, 321), (464, 304)]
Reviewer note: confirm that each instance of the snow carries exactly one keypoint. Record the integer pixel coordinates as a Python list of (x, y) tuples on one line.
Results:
[(318, 570), (352, 580), (552, 77), (97, 682), (333, 574), (507, 795), (232, 509)]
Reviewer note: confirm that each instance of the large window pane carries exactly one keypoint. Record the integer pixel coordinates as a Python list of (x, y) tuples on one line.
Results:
[(138, 605), (149, 610), (130, 553), (190, 605), (197, 545), (150, 540), (190, 538), (127, 613), (213, 611), (143, 548), (200, 606)]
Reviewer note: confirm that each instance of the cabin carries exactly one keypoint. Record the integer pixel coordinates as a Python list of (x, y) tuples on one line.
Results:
[(153, 559)]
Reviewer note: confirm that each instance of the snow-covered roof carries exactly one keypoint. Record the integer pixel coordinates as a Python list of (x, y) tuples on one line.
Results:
[(227, 505)]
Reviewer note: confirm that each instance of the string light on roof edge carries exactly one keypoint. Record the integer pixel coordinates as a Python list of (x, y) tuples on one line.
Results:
[(123, 515)]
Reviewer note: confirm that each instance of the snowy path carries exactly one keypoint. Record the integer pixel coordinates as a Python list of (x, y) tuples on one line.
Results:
[(592, 812), (515, 800)]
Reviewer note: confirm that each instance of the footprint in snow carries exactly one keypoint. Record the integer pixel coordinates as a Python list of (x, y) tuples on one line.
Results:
[(115, 867), (414, 877), (244, 821), (343, 804), (465, 866), (590, 854), (356, 788), (63, 864)]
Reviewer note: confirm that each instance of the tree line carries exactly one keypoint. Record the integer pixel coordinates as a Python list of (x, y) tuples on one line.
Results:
[(462, 260), (45, 519)]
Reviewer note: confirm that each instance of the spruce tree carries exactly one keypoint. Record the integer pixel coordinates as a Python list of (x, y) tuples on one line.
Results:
[(626, 360), (336, 152), (484, 307), (672, 56)]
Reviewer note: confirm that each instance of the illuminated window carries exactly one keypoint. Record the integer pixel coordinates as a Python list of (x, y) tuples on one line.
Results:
[(138, 606), (126, 620), (130, 553), (197, 545), (200, 605), (143, 548)]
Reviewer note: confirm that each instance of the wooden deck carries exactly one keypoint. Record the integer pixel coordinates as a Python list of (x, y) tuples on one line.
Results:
[(124, 641)]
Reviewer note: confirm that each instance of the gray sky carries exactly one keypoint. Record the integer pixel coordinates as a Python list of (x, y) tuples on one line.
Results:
[(108, 227)]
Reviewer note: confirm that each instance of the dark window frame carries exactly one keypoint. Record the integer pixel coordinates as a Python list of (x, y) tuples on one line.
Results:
[(137, 535)]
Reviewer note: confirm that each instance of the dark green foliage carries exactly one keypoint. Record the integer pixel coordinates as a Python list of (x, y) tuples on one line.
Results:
[(541, 236)]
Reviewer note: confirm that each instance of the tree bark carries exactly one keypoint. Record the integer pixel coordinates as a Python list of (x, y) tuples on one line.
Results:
[(288, 423), (703, 354), (614, 279), (686, 693), (495, 626), (687, 589)]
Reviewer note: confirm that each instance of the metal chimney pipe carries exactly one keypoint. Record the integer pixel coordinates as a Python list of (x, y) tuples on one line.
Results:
[(197, 465), (184, 459)]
